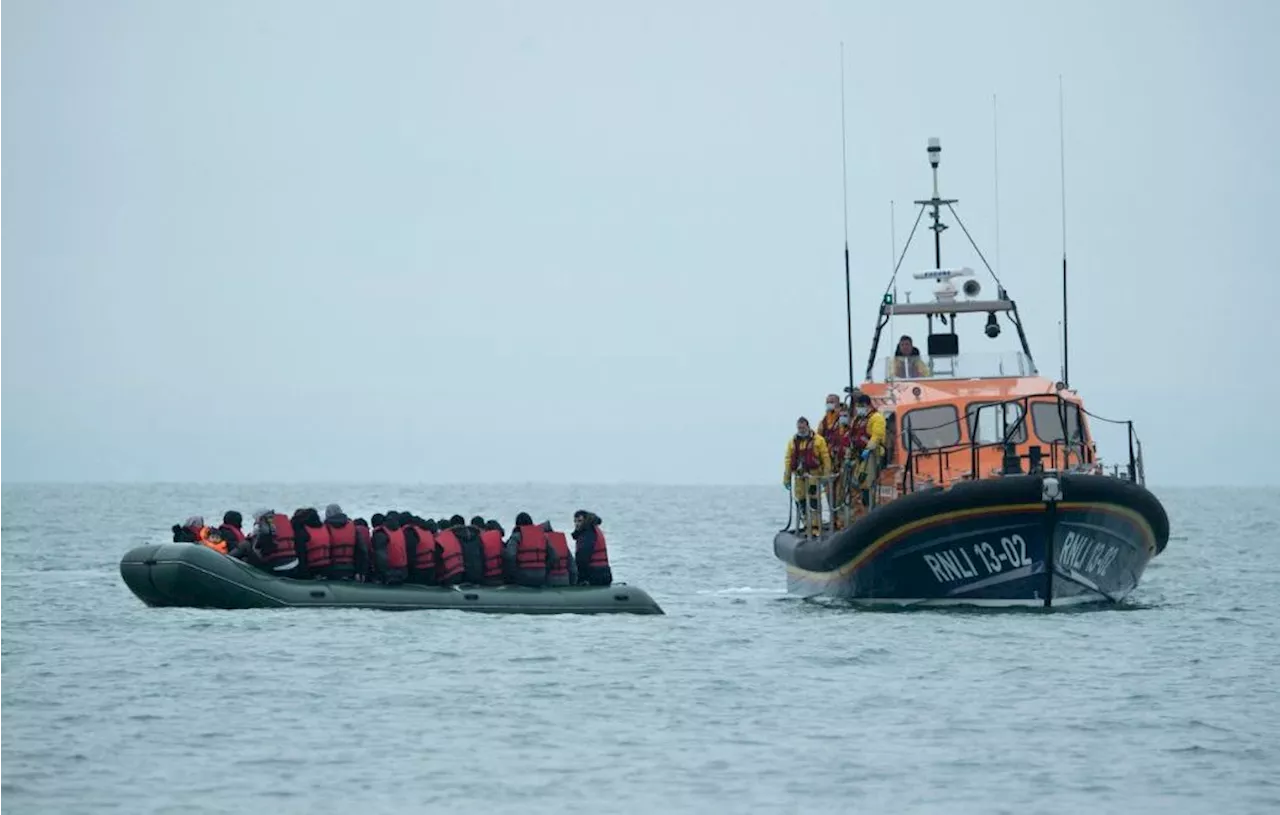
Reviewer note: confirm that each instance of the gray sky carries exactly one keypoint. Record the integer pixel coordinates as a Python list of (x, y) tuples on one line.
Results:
[(602, 242)]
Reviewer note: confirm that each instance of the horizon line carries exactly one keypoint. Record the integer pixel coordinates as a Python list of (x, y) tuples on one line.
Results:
[(441, 484)]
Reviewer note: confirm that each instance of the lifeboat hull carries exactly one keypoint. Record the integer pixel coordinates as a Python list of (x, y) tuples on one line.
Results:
[(997, 542), (193, 576)]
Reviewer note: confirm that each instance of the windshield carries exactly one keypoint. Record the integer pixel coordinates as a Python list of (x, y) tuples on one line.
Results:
[(931, 427), (1047, 421), (990, 421)]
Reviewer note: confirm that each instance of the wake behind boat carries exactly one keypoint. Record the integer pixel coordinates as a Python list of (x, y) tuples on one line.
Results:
[(979, 484)]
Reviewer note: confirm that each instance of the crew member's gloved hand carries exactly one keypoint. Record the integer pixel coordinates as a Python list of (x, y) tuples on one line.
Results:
[(866, 453)]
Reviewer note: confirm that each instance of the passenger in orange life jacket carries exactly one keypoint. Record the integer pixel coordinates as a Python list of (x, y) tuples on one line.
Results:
[(592, 552), (273, 546), (420, 550), (342, 544), (390, 559), (564, 571)]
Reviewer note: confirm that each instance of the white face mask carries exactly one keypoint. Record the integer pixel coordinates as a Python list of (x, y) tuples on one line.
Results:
[(844, 420), (831, 406), (862, 411)]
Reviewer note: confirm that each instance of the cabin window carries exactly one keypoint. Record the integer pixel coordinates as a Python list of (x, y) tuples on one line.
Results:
[(931, 427), (988, 426), (1047, 419)]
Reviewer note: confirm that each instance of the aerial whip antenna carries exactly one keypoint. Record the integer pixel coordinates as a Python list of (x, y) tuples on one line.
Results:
[(893, 257), (995, 142), (844, 175), (1062, 154)]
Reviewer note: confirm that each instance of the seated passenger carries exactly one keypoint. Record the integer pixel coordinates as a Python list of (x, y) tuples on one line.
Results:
[(564, 570), (189, 531), (491, 546), (390, 560), (523, 519), (364, 550), (907, 361), (273, 543), (230, 529), (417, 541), (592, 553), (533, 555), (450, 569), (342, 543), (319, 545), (473, 563)]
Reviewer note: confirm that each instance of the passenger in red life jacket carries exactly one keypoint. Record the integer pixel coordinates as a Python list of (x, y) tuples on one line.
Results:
[(273, 545), (364, 550), (420, 546), (342, 544), (319, 545), (565, 570), (523, 519), (531, 553), (491, 545), (390, 559), (450, 566), (230, 528), (591, 553)]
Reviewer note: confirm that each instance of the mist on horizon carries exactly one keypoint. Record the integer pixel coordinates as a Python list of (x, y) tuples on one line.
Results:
[(499, 242)]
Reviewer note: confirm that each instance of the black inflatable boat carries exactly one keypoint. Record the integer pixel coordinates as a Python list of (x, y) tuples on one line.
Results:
[(194, 576)]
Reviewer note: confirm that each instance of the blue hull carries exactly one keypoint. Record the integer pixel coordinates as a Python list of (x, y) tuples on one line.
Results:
[(988, 543)]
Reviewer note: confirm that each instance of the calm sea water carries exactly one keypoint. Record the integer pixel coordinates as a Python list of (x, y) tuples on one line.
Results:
[(739, 700)]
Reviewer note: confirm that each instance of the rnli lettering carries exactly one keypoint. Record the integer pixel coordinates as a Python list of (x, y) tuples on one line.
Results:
[(953, 565), (1085, 554)]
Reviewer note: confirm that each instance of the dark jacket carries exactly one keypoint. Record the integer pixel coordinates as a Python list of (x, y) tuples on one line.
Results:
[(380, 568), (585, 546)]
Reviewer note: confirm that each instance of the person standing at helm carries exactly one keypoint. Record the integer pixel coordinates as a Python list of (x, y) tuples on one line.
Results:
[(806, 460), (906, 360), (868, 439)]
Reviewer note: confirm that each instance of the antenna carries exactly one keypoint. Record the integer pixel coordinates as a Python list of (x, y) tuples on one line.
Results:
[(893, 258), (995, 142), (1062, 153), (844, 175)]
